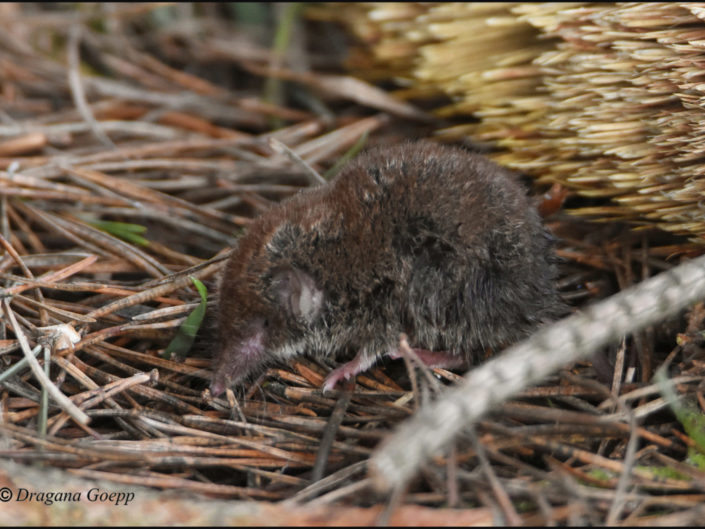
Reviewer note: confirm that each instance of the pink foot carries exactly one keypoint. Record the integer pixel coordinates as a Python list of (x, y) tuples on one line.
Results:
[(348, 370), (361, 363), (442, 359)]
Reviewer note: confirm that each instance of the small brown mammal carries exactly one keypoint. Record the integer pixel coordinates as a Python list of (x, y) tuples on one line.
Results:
[(428, 240)]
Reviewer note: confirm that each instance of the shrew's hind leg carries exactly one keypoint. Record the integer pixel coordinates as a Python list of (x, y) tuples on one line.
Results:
[(362, 363), (359, 364)]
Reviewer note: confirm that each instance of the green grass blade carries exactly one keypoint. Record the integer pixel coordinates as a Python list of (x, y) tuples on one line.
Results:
[(123, 230), (186, 334)]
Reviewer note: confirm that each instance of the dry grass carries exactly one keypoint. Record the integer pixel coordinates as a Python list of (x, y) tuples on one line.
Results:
[(115, 117)]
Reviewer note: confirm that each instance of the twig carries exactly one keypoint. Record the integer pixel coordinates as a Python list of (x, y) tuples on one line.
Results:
[(629, 459), (7, 373), (503, 499), (79, 95), (61, 399), (314, 177), (336, 418), (327, 483)]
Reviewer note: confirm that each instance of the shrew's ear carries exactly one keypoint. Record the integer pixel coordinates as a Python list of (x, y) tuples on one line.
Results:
[(297, 293)]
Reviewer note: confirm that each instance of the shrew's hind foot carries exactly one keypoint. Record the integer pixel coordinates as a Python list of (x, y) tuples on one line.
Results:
[(362, 363)]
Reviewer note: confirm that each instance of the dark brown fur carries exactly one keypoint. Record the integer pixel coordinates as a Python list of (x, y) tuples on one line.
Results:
[(428, 240)]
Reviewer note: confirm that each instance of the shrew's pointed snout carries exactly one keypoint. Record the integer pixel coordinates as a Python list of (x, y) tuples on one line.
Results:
[(218, 385), (237, 360)]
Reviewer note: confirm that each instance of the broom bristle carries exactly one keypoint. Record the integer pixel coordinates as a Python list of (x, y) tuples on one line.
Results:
[(606, 99)]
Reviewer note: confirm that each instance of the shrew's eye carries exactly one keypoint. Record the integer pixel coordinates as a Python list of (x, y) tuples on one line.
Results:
[(265, 323)]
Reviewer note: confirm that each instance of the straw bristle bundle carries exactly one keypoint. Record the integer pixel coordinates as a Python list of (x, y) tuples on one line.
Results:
[(607, 99)]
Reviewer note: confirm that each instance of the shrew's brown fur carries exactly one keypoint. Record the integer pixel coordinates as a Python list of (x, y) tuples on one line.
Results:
[(432, 241)]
